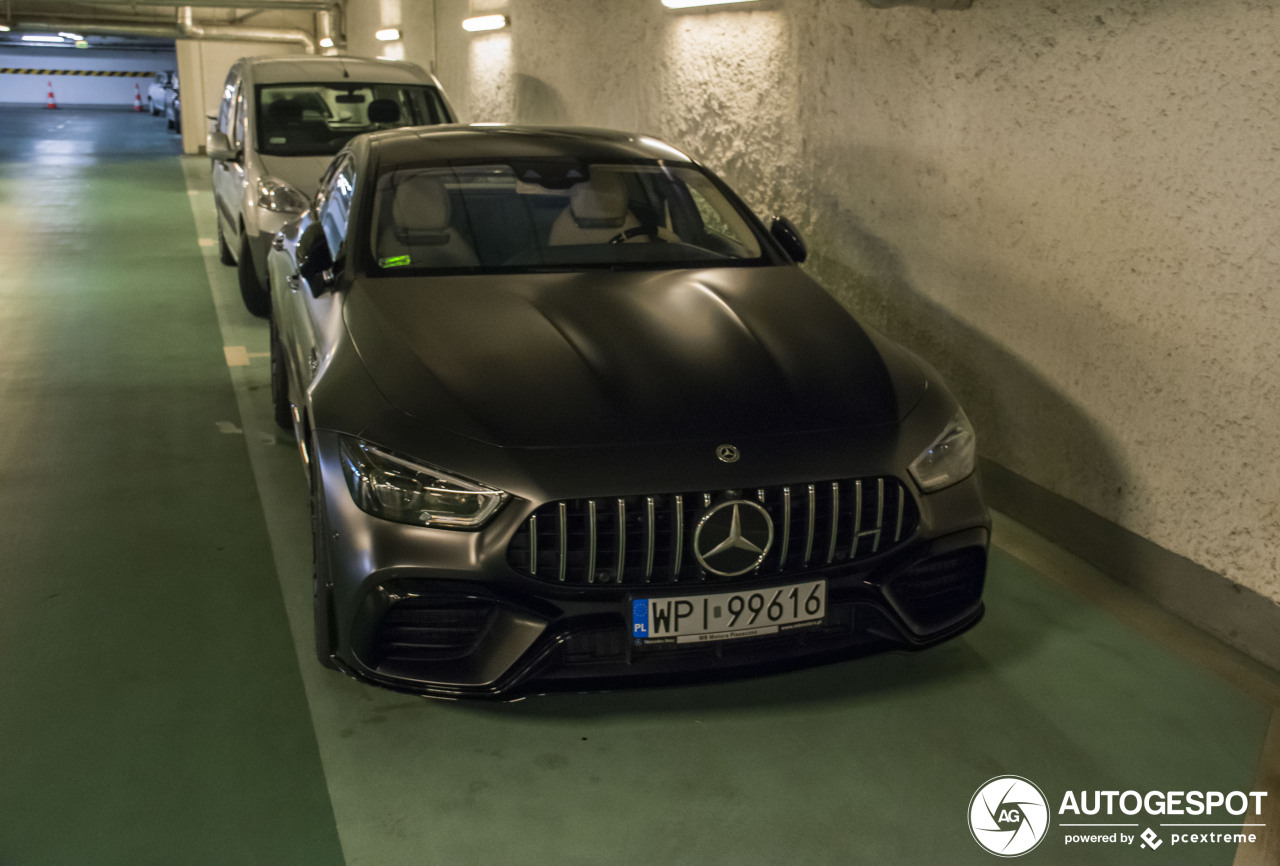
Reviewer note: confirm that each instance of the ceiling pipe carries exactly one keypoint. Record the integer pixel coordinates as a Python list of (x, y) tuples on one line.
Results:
[(324, 32), (300, 5), (158, 30), (928, 4), (188, 29)]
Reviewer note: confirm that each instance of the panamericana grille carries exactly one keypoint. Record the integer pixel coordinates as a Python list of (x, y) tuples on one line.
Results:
[(638, 540)]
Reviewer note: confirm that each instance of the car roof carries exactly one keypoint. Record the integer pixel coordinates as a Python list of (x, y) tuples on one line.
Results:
[(478, 142), (304, 68)]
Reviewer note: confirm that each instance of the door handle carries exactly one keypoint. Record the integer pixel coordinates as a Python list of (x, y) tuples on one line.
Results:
[(294, 282)]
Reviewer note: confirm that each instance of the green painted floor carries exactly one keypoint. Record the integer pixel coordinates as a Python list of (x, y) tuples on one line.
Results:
[(159, 703)]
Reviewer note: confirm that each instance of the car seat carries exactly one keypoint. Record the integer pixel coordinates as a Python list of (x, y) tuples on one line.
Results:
[(420, 227), (597, 211)]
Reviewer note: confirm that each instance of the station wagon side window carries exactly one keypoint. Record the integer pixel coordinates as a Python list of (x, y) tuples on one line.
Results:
[(225, 106), (237, 134)]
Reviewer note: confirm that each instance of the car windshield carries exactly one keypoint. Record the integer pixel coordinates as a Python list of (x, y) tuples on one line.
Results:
[(548, 215), (318, 119)]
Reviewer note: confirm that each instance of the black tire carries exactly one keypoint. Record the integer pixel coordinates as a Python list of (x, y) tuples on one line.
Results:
[(255, 296), (321, 592), (281, 410), (224, 249)]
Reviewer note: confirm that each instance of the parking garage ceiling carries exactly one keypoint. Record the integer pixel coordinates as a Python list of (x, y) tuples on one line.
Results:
[(132, 24), (152, 23)]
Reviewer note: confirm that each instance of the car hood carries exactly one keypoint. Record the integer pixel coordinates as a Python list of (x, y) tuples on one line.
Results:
[(300, 172), (606, 358)]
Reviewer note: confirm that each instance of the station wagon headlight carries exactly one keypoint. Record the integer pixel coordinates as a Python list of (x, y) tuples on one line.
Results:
[(276, 195), (395, 488), (950, 459)]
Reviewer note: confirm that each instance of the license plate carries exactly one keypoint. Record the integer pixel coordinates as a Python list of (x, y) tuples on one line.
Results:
[(728, 615)]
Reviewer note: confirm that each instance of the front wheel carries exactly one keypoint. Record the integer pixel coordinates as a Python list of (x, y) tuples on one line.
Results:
[(256, 298)]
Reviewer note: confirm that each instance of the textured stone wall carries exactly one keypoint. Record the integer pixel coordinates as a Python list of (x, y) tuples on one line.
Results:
[(1070, 208)]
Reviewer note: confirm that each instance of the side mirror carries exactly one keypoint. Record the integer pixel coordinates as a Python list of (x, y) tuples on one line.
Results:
[(315, 259), (788, 236), (218, 147)]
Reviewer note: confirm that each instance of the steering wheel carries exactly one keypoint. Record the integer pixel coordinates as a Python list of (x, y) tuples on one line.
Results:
[(651, 231)]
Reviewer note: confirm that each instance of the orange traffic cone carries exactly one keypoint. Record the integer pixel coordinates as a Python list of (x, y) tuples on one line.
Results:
[(137, 98), (51, 103)]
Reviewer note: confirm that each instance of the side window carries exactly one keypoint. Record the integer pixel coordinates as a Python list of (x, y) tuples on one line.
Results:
[(225, 106), (237, 135), (334, 201)]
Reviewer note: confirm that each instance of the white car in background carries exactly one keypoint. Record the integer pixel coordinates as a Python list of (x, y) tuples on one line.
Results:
[(155, 91), (280, 122)]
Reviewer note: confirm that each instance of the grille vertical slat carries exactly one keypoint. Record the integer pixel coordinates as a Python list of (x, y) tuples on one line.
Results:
[(622, 538), (593, 535), (533, 544), (857, 519), (813, 523), (564, 539), (875, 546), (645, 539), (786, 528), (678, 554), (835, 522), (651, 532)]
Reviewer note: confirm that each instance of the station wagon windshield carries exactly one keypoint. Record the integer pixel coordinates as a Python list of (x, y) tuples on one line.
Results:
[(550, 215), (318, 119)]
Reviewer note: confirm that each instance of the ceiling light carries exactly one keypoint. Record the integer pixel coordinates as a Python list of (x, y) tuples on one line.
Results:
[(326, 42), (74, 37), (4, 28), (689, 4), (484, 22), (33, 37), (389, 34)]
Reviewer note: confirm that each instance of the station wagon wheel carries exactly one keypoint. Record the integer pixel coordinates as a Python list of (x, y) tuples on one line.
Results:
[(256, 299), (650, 231)]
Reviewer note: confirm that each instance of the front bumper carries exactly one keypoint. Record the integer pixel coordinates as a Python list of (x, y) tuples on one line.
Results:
[(443, 612)]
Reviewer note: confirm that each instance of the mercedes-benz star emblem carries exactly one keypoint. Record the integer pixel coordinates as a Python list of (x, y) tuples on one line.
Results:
[(733, 537), (727, 453)]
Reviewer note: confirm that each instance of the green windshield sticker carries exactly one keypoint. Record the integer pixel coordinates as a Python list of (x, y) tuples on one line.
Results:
[(393, 262)]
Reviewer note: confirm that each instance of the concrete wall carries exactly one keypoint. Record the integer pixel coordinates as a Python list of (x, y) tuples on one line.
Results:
[(416, 21), (1069, 208), (79, 89)]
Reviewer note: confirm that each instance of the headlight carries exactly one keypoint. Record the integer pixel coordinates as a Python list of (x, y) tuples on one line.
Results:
[(949, 459), (395, 488), (276, 195)]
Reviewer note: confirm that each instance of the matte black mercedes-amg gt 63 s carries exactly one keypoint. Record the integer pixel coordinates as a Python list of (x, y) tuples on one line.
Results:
[(574, 419)]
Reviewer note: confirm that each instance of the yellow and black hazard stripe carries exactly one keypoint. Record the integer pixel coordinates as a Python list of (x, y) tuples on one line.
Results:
[(102, 73)]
